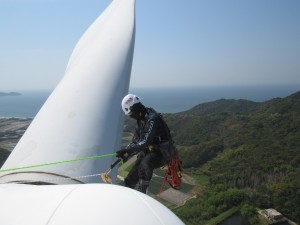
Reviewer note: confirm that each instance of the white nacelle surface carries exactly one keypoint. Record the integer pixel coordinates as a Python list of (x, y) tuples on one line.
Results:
[(80, 204)]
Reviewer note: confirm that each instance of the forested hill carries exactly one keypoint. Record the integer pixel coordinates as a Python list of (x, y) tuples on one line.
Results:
[(224, 124), (245, 106), (248, 146), (223, 106)]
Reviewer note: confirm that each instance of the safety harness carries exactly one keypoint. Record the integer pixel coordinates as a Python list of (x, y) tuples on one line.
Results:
[(173, 174)]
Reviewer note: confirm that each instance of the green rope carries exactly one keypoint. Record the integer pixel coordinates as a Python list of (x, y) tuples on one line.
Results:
[(123, 168), (59, 162)]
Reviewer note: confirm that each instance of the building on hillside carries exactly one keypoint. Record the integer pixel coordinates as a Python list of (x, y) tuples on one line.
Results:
[(273, 216)]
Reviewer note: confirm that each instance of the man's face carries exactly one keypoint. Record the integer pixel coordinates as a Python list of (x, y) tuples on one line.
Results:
[(135, 111)]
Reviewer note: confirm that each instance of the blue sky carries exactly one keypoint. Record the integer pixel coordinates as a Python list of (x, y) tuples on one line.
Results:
[(178, 42)]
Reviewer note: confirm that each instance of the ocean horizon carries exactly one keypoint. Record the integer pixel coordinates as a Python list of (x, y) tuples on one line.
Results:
[(164, 100)]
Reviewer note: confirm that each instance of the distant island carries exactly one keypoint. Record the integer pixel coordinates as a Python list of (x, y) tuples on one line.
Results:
[(9, 94)]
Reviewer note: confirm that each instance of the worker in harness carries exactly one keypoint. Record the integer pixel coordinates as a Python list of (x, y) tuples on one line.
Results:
[(151, 141)]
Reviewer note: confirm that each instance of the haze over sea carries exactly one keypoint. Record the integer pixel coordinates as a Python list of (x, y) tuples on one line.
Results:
[(165, 100)]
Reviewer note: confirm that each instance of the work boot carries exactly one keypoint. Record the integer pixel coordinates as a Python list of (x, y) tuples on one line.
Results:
[(143, 185)]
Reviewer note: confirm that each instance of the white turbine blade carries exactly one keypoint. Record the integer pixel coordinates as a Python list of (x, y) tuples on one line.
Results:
[(82, 117)]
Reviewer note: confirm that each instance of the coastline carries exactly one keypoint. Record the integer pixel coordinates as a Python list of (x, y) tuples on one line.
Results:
[(12, 129), (162, 99)]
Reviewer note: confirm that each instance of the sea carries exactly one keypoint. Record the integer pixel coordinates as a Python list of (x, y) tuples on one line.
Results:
[(164, 100)]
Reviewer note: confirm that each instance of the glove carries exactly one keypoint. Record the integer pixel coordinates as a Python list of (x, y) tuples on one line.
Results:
[(123, 154)]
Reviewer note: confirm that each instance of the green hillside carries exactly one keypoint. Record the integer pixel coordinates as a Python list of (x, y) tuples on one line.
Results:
[(250, 152)]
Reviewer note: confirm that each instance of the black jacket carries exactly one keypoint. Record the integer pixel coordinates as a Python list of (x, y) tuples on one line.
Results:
[(149, 132)]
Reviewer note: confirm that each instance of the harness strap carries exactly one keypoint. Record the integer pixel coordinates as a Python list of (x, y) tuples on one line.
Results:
[(172, 175)]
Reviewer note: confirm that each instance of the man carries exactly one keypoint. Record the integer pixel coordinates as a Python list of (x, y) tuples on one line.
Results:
[(150, 133)]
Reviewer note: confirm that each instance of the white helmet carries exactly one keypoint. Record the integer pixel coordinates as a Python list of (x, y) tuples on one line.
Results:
[(128, 101)]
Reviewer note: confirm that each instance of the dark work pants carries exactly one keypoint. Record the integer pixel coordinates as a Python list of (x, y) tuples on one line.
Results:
[(143, 168)]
